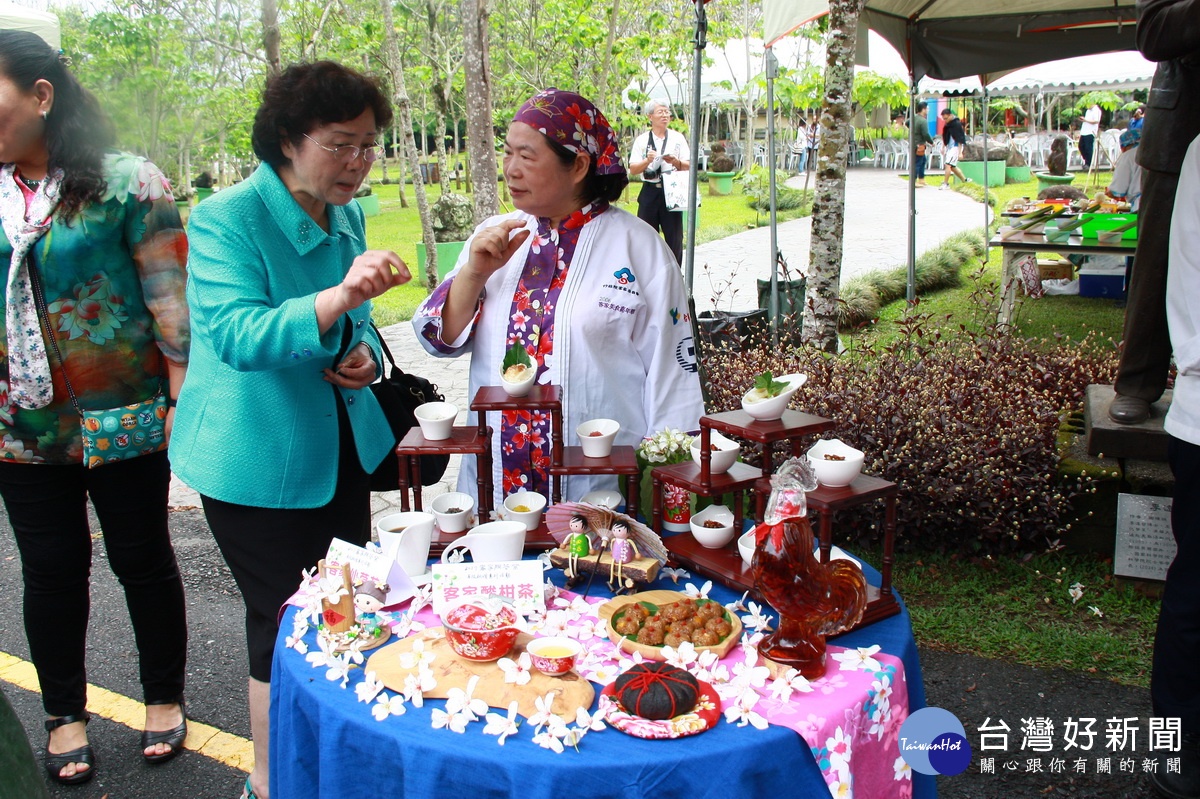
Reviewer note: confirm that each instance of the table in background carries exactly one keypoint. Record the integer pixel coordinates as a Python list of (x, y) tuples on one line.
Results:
[(324, 743), (1034, 243)]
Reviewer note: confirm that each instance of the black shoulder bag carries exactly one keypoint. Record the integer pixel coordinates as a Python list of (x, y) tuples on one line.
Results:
[(399, 394)]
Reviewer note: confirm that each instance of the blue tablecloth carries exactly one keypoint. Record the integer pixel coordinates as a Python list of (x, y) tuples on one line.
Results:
[(324, 743)]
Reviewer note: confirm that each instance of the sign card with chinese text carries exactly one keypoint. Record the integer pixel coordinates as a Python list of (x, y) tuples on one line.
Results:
[(519, 581), (1145, 546), (368, 565)]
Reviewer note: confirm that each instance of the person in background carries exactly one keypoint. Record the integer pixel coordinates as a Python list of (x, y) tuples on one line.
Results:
[(814, 141), (1138, 118), (1126, 183), (591, 293), (655, 152), (96, 233), (1177, 641), (953, 139), (276, 430), (1089, 128), (800, 146), (924, 141), (1168, 32)]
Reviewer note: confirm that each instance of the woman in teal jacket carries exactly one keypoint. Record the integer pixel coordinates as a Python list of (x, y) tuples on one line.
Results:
[(275, 427)]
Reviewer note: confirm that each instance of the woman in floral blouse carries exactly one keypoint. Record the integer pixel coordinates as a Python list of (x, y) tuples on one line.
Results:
[(103, 234)]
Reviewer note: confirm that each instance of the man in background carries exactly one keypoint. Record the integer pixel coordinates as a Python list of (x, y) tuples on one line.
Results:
[(953, 139), (657, 151), (924, 141), (1087, 134)]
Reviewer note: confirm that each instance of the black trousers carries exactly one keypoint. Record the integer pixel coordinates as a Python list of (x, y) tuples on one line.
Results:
[(652, 209), (47, 507), (1177, 640), (1087, 145), (1146, 353), (268, 548)]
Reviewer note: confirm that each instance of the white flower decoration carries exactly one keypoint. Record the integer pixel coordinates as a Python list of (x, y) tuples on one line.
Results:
[(603, 673), (543, 715), (742, 711), (516, 671), (791, 681), (902, 770), (324, 656), (369, 688), (455, 722), (586, 629), (387, 706), (1076, 592), (698, 593), (860, 659), (461, 702), (576, 604), (548, 740), (502, 726), (683, 656), (331, 589), (758, 620), (738, 605), (415, 685), (674, 574), (417, 657), (556, 623)]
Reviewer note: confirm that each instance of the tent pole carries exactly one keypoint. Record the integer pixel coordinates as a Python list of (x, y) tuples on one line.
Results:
[(986, 194), (689, 271), (772, 71), (911, 279)]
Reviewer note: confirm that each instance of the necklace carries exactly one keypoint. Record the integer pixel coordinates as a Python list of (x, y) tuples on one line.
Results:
[(32, 185)]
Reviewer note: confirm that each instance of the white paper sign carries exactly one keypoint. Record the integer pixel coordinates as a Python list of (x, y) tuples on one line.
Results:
[(1145, 546), (368, 565), (519, 581)]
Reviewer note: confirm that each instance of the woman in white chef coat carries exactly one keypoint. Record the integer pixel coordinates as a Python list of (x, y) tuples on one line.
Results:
[(590, 291)]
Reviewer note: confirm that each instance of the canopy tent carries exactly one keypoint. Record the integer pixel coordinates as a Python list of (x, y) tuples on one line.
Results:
[(1119, 72), (15, 17)]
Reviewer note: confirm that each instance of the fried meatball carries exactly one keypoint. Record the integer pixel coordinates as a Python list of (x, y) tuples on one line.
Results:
[(677, 611), (705, 638), (627, 625), (676, 638), (719, 626), (651, 634), (710, 610), (637, 611)]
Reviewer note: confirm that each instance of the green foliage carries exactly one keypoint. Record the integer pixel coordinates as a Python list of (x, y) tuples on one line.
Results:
[(1109, 101), (872, 89), (756, 186)]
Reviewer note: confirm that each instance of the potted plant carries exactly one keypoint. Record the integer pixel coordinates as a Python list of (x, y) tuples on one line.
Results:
[(203, 186), (453, 220), (661, 449), (720, 171), (367, 200)]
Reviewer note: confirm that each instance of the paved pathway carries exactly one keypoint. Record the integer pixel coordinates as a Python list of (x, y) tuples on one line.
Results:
[(876, 238)]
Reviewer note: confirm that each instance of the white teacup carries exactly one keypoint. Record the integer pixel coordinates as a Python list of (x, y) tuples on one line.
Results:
[(494, 541), (436, 419), (407, 536), (462, 505), (596, 437), (533, 503)]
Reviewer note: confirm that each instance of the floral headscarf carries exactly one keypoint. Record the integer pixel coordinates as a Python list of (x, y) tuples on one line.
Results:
[(570, 120)]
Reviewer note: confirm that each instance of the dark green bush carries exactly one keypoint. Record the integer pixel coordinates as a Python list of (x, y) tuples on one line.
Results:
[(966, 423)]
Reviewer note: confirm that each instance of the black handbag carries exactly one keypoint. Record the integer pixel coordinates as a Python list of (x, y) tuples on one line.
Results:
[(399, 394)]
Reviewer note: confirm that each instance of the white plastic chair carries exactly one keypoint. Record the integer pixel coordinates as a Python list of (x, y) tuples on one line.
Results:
[(933, 156), (1109, 146)]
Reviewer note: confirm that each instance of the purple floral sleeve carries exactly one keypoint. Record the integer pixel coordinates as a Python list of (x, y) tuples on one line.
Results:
[(431, 331)]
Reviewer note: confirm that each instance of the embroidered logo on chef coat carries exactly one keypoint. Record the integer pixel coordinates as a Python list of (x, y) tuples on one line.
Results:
[(624, 276), (685, 354), (676, 317)]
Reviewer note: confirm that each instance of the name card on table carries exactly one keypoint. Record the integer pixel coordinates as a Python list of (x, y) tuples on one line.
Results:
[(370, 566), (1145, 546), (519, 581)]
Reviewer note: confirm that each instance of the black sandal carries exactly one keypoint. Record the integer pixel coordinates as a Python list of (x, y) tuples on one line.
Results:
[(83, 755), (173, 737)]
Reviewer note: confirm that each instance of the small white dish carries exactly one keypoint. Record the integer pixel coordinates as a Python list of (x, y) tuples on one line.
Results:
[(836, 463), (771, 408), (596, 437), (746, 547), (436, 419), (519, 388), (452, 511), (723, 452), (713, 537), (604, 498), (525, 507)]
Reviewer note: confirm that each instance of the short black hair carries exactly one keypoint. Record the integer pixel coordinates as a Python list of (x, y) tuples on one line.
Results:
[(946, 112), (921, 106), (595, 187), (304, 96)]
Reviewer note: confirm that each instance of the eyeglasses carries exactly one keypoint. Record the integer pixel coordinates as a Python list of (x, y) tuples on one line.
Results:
[(348, 153)]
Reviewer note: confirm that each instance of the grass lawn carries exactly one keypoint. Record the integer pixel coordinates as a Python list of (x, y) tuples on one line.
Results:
[(399, 229)]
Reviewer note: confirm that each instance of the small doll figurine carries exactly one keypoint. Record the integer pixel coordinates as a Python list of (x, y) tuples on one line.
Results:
[(623, 550), (368, 599), (578, 544)]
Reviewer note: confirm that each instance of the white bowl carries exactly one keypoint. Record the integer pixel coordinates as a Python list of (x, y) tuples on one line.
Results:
[(1009, 232), (454, 522), (519, 389), (436, 419), (604, 498), (835, 473), (773, 407), (746, 547), (1110, 237), (713, 537), (723, 452), (596, 437), (533, 503)]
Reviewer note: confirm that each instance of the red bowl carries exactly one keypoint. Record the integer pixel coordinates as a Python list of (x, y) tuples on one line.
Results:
[(480, 633)]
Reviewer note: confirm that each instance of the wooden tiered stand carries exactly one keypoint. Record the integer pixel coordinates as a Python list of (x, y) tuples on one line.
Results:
[(476, 441), (726, 564)]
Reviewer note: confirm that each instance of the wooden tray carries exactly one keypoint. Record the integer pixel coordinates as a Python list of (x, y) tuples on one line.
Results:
[(451, 671), (660, 597)]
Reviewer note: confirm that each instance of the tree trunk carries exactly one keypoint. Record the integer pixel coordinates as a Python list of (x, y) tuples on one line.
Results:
[(399, 145), (404, 112), (607, 60), (481, 140), (270, 23), (829, 200)]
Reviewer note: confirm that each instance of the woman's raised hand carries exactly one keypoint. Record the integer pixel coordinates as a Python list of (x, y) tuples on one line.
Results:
[(493, 247), (371, 274)]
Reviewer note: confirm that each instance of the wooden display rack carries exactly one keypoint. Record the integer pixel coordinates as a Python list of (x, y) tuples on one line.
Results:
[(726, 564), (476, 441)]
